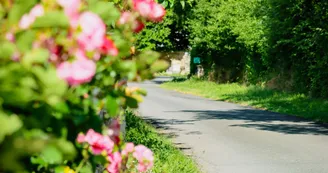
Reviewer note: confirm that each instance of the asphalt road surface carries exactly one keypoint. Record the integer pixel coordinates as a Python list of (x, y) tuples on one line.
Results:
[(228, 138)]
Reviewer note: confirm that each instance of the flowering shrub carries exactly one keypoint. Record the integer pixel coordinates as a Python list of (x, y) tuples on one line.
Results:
[(61, 63)]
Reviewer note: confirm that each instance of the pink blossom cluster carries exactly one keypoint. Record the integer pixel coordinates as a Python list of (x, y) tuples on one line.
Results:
[(87, 31), (142, 154), (148, 9), (144, 157), (127, 17), (87, 36), (99, 144), (91, 37)]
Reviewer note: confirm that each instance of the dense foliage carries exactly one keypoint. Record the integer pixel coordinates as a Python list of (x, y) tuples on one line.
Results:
[(172, 33), (227, 34), (298, 36), (260, 40), (61, 63)]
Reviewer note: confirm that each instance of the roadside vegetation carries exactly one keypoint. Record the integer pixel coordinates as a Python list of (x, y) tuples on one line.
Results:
[(256, 96), (168, 159), (281, 42), (170, 75)]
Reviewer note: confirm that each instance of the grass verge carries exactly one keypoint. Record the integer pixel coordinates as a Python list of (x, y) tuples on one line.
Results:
[(259, 97), (168, 159)]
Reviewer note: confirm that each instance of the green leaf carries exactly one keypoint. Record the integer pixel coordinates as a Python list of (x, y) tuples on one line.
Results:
[(52, 19), (7, 49), (2, 12), (66, 148), (165, 4), (87, 168), (39, 161), (112, 106), (52, 155), (35, 56), (159, 66), (126, 66), (92, 2), (53, 86), (62, 107), (142, 92), (106, 10), (131, 102), (99, 159), (25, 40), (149, 56), (172, 3), (60, 169), (20, 8), (183, 4), (53, 100), (8, 125)]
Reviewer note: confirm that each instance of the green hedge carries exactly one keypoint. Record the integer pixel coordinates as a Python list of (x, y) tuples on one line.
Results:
[(257, 40), (298, 43)]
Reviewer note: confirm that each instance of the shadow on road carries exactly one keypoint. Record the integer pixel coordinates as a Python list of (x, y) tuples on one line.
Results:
[(162, 79), (263, 120), (167, 126)]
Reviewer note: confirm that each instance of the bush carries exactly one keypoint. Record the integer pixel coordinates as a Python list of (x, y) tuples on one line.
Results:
[(255, 41), (61, 63), (297, 36), (229, 36)]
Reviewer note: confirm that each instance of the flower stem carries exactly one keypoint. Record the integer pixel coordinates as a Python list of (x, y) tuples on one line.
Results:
[(81, 164)]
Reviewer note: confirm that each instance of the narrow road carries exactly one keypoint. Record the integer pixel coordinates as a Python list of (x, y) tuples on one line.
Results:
[(228, 138)]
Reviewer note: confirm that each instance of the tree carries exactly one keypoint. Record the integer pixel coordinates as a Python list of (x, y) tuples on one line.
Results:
[(172, 33), (61, 63)]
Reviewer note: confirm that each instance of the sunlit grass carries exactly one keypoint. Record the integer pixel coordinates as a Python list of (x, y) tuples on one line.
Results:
[(168, 159)]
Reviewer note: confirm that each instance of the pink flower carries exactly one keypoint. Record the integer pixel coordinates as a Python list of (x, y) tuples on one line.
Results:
[(138, 26), (78, 72), (71, 8), (98, 142), (142, 168), (145, 158), (37, 11), (115, 162), (16, 56), (10, 37), (109, 47), (93, 31), (143, 7), (125, 18), (129, 148), (149, 9), (128, 18), (80, 138), (28, 19), (73, 5), (80, 54), (114, 131), (158, 12)]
